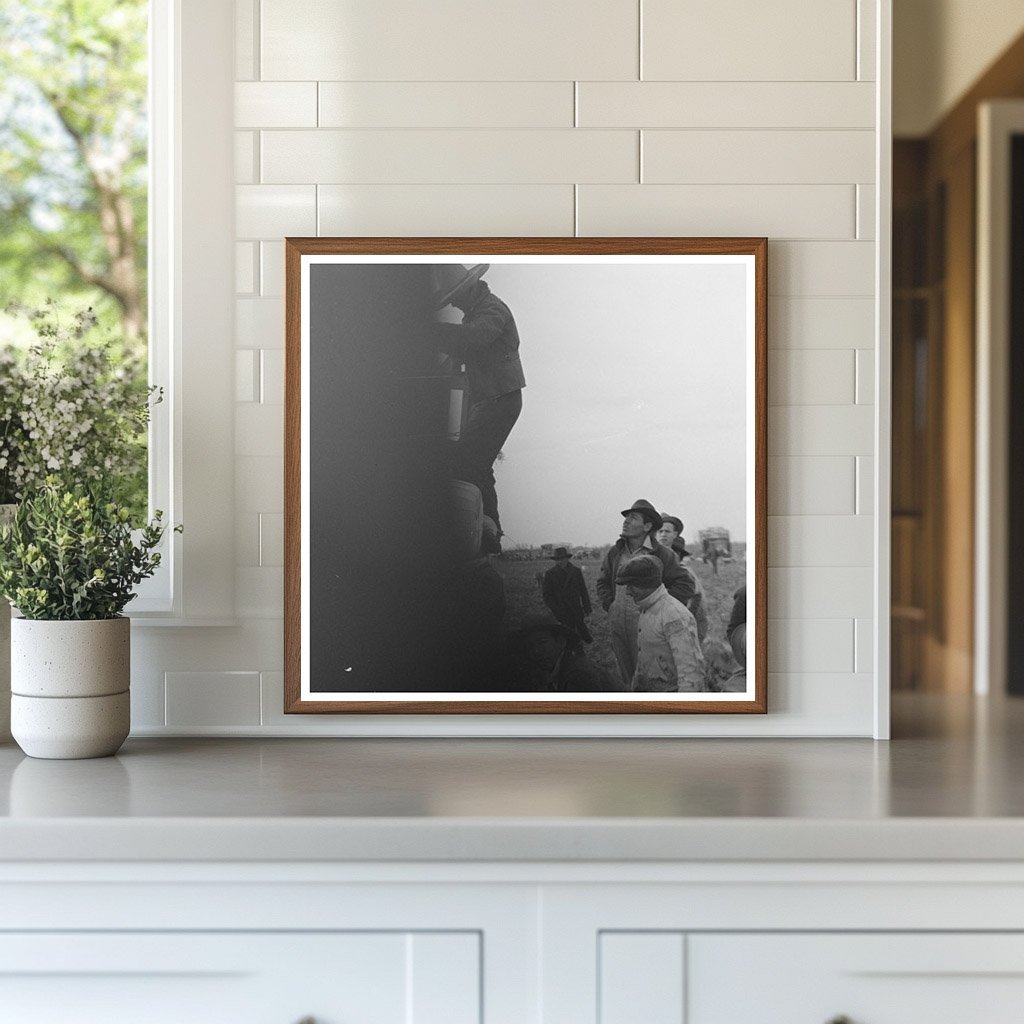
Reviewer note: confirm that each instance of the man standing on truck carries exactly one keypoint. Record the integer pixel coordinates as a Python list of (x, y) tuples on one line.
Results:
[(487, 343)]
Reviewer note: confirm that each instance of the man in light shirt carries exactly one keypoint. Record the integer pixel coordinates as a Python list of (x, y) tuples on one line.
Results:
[(668, 658)]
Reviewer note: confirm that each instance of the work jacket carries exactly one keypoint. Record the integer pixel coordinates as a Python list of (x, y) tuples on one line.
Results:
[(487, 342), (668, 651), (678, 580)]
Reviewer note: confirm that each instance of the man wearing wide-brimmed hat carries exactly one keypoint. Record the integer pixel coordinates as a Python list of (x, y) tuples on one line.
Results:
[(487, 342), (639, 524), (565, 593)]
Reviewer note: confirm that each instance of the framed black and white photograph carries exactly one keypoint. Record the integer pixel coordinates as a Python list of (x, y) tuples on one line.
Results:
[(525, 475)]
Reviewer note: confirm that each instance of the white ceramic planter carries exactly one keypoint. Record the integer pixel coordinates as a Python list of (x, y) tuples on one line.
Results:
[(69, 685)]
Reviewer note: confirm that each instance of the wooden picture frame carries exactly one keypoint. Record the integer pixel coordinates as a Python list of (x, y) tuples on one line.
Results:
[(645, 362)]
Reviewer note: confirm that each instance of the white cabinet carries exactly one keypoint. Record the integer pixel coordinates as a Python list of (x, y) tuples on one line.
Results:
[(511, 943), (241, 978), (869, 979)]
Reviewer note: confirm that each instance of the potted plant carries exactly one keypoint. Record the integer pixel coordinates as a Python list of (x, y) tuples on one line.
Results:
[(69, 406), (69, 563)]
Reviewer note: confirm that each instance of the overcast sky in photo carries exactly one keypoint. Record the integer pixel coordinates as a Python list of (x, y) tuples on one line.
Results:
[(635, 388)]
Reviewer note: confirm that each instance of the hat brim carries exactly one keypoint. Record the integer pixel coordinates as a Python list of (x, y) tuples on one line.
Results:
[(655, 520), (474, 275)]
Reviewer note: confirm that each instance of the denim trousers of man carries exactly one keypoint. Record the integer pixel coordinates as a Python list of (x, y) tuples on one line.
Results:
[(487, 428)]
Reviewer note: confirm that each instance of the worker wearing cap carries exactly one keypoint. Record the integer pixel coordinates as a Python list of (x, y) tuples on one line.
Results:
[(639, 523), (668, 658), (487, 343), (671, 535)]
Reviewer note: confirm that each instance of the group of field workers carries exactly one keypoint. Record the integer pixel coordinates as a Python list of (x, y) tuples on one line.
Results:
[(655, 605)]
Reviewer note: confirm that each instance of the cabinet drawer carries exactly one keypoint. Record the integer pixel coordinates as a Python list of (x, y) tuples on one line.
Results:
[(867, 978), (242, 978)]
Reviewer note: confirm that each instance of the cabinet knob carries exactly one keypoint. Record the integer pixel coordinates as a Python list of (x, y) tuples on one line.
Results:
[(306, 1020), (841, 1019)]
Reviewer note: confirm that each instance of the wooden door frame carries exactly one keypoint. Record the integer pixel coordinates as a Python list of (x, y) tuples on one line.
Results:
[(998, 121)]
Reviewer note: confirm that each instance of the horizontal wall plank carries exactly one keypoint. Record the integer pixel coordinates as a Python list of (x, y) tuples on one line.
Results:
[(447, 210), (865, 376), (776, 157), (726, 105), (271, 269), (259, 484), (245, 268), (827, 592), (271, 376), (260, 592), (246, 375), (808, 540), (866, 485), (259, 323), (270, 211), (245, 40), (275, 104), (819, 322), (259, 429), (811, 645), (864, 639), (811, 377), (271, 539), (447, 105), (449, 157), (449, 40), (821, 430), (811, 486), (867, 25), (866, 211), (829, 703), (772, 211), (822, 268), (245, 158), (739, 41), (204, 699)]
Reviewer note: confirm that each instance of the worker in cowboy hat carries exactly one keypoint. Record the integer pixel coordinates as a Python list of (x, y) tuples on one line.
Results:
[(640, 522), (487, 343), (565, 593)]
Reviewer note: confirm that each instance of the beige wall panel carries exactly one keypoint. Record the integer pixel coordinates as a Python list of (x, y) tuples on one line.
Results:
[(811, 377), (275, 105), (449, 40), (446, 210), (271, 211), (726, 105), (739, 41), (802, 486), (821, 430), (780, 157), (447, 105), (815, 592), (773, 211), (819, 322), (821, 268), (820, 540), (811, 645), (448, 157)]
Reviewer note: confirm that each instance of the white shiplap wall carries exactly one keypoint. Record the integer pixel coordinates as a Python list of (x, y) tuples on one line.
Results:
[(555, 117)]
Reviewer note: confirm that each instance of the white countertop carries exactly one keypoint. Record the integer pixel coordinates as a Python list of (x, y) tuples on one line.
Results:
[(947, 787)]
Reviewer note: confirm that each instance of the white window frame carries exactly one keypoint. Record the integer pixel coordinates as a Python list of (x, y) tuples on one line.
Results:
[(191, 287)]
